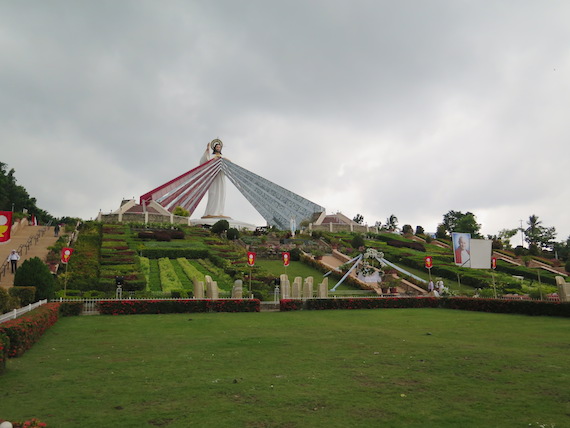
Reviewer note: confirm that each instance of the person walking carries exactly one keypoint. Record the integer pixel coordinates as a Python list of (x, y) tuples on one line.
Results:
[(56, 230), (13, 259)]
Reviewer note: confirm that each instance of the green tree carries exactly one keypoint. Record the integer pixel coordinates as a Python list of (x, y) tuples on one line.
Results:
[(441, 232), (538, 236), (358, 218), (562, 249), (392, 223), (407, 229), (35, 273), (220, 227), (357, 241), (456, 221), (420, 230), (14, 196), (233, 233), (505, 236)]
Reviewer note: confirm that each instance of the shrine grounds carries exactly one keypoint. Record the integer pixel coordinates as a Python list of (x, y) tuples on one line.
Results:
[(359, 368)]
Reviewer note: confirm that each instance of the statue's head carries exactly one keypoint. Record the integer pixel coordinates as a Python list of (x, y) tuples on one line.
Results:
[(216, 146)]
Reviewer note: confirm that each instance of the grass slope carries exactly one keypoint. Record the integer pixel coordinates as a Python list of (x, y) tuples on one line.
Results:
[(297, 369)]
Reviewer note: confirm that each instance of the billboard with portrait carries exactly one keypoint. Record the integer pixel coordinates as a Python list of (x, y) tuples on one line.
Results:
[(461, 249)]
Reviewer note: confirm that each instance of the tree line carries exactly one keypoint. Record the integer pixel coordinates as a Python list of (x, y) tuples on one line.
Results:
[(14, 197), (540, 238)]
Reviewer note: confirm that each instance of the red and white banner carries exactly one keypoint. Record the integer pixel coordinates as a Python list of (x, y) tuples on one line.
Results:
[(428, 262), (66, 253), (493, 263), (5, 226), (33, 221), (250, 258), (286, 258)]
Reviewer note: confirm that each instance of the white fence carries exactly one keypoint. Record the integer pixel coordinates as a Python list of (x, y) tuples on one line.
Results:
[(12, 315)]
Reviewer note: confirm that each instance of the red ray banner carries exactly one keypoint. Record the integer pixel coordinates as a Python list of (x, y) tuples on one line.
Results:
[(5, 225), (286, 258), (66, 254)]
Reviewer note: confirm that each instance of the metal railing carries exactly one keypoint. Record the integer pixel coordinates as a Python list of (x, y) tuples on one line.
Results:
[(12, 315), (24, 248)]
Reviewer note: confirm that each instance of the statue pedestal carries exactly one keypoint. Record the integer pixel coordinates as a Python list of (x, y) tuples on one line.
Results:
[(210, 221)]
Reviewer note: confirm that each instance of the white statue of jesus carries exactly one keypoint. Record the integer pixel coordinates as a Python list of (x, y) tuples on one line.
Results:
[(217, 190)]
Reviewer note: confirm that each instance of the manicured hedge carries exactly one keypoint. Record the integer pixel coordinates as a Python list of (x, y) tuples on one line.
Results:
[(168, 279), (27, 295), (18, 335), (527, 273), (133, 307), (523, 307), (69, 309), (26, 330), (4, 346), (174, 253)]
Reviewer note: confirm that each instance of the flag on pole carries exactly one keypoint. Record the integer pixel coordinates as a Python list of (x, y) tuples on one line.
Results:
[(5, 226), (66, 254), (250, 258), (286, 258)]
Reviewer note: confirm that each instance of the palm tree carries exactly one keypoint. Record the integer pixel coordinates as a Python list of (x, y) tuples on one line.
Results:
[(392, 223), (534, 230)]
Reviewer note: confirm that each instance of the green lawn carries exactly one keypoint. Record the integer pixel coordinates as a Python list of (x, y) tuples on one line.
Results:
[(393, 368)]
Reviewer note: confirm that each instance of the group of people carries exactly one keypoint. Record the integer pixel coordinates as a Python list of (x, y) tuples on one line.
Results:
[(437, 288)]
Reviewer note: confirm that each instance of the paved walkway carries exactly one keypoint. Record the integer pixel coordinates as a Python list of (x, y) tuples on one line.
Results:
[(37, 248)]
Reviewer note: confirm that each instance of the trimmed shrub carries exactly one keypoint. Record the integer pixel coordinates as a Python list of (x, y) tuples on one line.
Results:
[(168, 278), (4, 346), (69, 309), (418, 246), (27, 330), (133, 307), (7, 302), (162, 236), (174, 253), (34, 272), (191, 272), (233, 233), (295, 254), (357, 241), (220, 226), (524, 307), (27, 295)]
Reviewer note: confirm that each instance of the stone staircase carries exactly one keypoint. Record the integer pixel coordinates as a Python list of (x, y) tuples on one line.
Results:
[(31, 241)]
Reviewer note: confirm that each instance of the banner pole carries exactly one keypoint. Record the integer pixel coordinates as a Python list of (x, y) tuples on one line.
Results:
[(250, 273), (65, 282)]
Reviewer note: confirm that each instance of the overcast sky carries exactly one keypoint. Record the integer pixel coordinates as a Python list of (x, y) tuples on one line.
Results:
[(411, 108)]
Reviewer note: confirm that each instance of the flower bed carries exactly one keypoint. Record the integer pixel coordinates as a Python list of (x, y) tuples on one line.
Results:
[(23, 332), (4, 346), (27, 424), (523, 307), (133, 307)]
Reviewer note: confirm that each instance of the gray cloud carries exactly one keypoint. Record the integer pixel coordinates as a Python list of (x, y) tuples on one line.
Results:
[(413, 108)]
